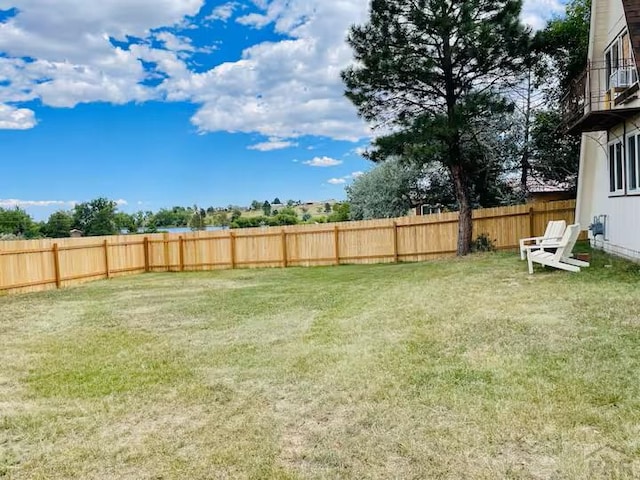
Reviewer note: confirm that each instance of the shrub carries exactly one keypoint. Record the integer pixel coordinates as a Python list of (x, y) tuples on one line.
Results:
[(483, 243)]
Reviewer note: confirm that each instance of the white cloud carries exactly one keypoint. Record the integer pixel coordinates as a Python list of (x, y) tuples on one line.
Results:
[(535, 13), (13, 202), (288, 88), (174, 42), (78, 31), (323, 162), (182, 45), (74, 59), (342, 180), (283, 89), (272, 144), (223, 12), (360, 151), (12, 118)]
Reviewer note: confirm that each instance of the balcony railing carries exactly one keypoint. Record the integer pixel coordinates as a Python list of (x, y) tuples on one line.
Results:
[(600, 88)]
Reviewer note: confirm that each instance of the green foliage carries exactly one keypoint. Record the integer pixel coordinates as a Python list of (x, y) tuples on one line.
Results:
[(16, 221), (141, 220), (561, 52), (256, 205), (176, 217), (236, 214), (289, 211), (561, 49), (388, 190), (555, 154), (286, 218), (271, 221), (97, 217), (306, 217), (164, 218), (437, 69), (277, 201), (483, 243), (250, 222), (221, 219), (327, 207), (341, 212), (58, 225), (149, 224), (197, 220), (266, 208), (127, 222)]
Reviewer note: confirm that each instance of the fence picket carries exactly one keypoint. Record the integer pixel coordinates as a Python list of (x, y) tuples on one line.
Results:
[(31, 265)]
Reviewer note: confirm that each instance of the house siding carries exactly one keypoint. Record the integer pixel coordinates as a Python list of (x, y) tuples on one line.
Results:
[(622, 236)]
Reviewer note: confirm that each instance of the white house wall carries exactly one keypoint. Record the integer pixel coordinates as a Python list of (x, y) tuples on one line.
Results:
[(622, 212), (607, 21), (615, 20), (591, 155), (622, 236)]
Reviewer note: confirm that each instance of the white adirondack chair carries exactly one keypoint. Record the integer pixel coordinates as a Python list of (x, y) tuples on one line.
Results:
[(562, 257), (552, 235)]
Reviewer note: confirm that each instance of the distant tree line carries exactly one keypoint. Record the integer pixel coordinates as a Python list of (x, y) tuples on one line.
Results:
[(102, 217)]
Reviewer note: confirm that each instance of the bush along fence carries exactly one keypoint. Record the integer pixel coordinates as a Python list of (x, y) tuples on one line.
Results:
[(32, 265)]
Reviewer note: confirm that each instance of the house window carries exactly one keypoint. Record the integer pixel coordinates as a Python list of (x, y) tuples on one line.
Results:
[(616, 168), (429, 209), (619, 65), (633, 163)]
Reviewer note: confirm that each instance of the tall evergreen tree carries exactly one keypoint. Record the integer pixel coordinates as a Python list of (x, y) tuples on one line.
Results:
[(438, 68)]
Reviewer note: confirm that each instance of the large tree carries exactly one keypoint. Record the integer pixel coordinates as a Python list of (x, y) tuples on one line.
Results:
[(58, 225), (441, 65), (17, 222), (97, 217), (388, 190), (561, 49), (555, 154)]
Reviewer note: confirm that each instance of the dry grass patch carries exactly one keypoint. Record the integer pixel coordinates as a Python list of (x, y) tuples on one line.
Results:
[(455, 369)]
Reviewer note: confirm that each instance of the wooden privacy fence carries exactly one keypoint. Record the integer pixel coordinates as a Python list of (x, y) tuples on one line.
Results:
[(31, 265)]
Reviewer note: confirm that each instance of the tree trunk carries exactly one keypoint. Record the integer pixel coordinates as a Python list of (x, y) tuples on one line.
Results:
[(465, 223), (524, 160)]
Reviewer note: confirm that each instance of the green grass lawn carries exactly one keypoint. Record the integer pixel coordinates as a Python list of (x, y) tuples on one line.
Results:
[(462, 369)]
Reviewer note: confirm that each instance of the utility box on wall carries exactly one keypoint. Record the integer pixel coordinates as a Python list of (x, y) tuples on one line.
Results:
[(599, 226)]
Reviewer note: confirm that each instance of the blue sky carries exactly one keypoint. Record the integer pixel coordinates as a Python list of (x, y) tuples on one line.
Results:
[(156, 103)]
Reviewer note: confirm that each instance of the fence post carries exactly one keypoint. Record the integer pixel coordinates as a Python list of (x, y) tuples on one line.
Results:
[(146, 255), (181, 244), (336, 239), (395, 242), (232, 249), (284, 248), (531, 222), (106, 258), (56, 265), (165, 240)]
